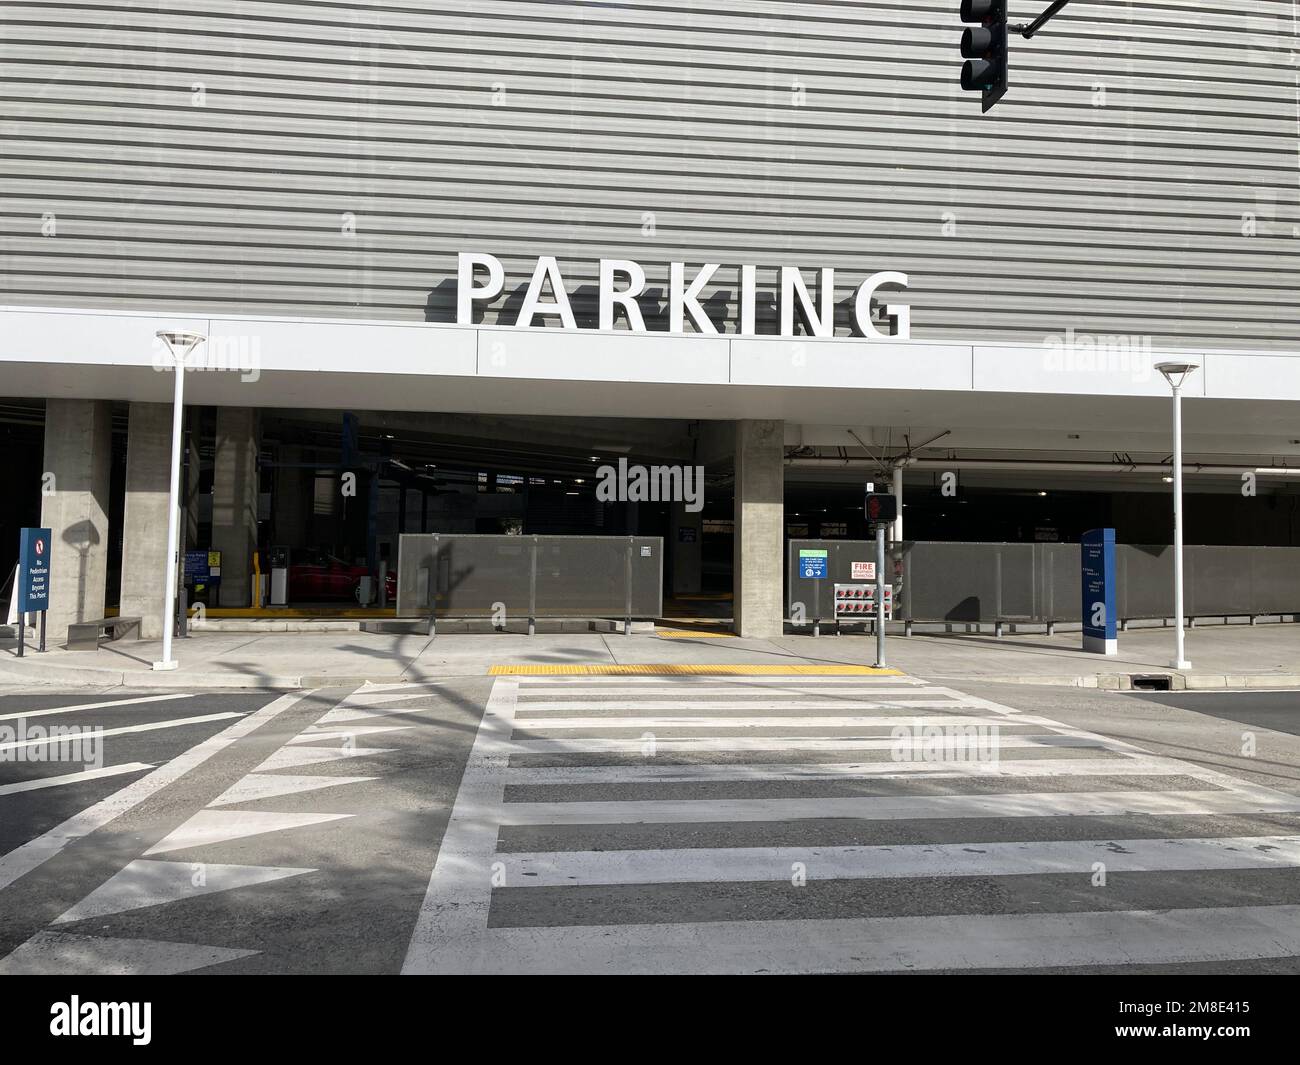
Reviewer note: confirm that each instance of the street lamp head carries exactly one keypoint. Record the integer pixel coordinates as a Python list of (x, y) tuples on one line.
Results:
[(180, 343), (1176, 372)]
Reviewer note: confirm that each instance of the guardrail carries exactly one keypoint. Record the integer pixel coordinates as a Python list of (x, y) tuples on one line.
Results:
[(1040, 583), (466, 575)]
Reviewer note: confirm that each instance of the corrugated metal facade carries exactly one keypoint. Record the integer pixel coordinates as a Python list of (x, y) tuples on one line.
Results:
[(330, 159)]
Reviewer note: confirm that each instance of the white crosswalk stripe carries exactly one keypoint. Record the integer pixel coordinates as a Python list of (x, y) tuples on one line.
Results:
[(660, 835), (702, 865)]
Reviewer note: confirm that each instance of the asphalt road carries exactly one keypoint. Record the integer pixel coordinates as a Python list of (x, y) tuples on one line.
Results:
[(1276, 710), (656, 824), (186, 877), (161, 725)]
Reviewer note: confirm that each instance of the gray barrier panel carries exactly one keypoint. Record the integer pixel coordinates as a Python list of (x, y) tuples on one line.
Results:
[(1275, 572), (1040, 583), (1145, 575), (816, 596), (467, 575)]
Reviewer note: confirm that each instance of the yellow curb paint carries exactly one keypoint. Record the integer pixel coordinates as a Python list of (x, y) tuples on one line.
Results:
[(687, 634), (688, 669), (296, 613)]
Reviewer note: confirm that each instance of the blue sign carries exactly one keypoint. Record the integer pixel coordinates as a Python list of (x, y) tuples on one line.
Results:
[(33, 570), (812, 564), (196, 567), (1097, 562)]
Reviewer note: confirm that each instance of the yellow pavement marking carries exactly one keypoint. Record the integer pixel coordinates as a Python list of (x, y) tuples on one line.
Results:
[(326, 613), (615, 669), (692, 634)]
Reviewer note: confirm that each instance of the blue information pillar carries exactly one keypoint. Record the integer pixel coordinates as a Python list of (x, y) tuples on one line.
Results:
[(1097, 559)]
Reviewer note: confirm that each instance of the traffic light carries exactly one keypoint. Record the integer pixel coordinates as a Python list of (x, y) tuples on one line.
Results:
[(985, 48), (880, 508)]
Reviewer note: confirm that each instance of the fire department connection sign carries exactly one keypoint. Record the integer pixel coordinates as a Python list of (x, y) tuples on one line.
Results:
[(864, 571), (34, 570)]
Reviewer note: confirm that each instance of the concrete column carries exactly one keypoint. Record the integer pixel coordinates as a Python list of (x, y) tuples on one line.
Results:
[(759, 528), (74, 506), (234, 501), (190, 484), (144, 517), (292, 503), (685, 543)]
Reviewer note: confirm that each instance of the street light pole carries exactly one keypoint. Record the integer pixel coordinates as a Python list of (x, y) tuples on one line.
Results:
[(1176, 373), (179, 345)]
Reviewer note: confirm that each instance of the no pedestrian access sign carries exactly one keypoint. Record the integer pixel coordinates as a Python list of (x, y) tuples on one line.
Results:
[(34, 570), (33, 580)]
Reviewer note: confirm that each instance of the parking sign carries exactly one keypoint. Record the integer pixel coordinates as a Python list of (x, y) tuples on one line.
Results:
[(812, 564)]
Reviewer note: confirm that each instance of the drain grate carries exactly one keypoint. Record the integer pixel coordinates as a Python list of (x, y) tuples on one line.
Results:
[(1152, 682)]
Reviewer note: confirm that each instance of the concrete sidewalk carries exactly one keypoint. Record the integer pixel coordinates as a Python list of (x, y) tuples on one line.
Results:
[(1223, 657)]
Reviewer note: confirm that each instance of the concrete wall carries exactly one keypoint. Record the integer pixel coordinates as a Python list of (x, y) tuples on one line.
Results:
[(1139, 179), (144, 535), (75, 507), (759, 540)]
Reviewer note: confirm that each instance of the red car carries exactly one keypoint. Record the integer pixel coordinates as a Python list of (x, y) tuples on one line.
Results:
[(315, 576)]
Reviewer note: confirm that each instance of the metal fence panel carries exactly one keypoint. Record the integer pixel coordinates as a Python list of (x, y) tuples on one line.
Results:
[(1065, 588), (952, 582), (1275, 573), (1218, 580), (589, 575), (469, 575), (815, 597), (1040, 583), (1145, 574)]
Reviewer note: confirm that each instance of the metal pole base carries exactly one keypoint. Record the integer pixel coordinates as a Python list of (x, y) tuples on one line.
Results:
[(164, 666), (1182, 665)]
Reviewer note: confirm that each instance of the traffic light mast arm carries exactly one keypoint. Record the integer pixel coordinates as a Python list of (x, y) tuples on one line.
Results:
[(1027, 31)]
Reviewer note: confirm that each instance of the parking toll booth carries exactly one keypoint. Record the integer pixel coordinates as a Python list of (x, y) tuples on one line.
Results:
[(278, 561)]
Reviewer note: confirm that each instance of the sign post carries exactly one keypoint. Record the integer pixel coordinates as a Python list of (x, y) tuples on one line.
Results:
[(1097, 572), (880, 509), (812, 566), (33, 580)]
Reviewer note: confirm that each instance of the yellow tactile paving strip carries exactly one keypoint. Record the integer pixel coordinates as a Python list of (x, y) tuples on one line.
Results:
[(616, 669), (693, 634)]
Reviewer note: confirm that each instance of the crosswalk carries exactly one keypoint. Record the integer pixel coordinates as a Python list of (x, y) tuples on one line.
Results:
[(731, 824)]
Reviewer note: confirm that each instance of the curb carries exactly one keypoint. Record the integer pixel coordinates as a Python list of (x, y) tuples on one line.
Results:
[(91, 677), (1124, 681), (179, 680)]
